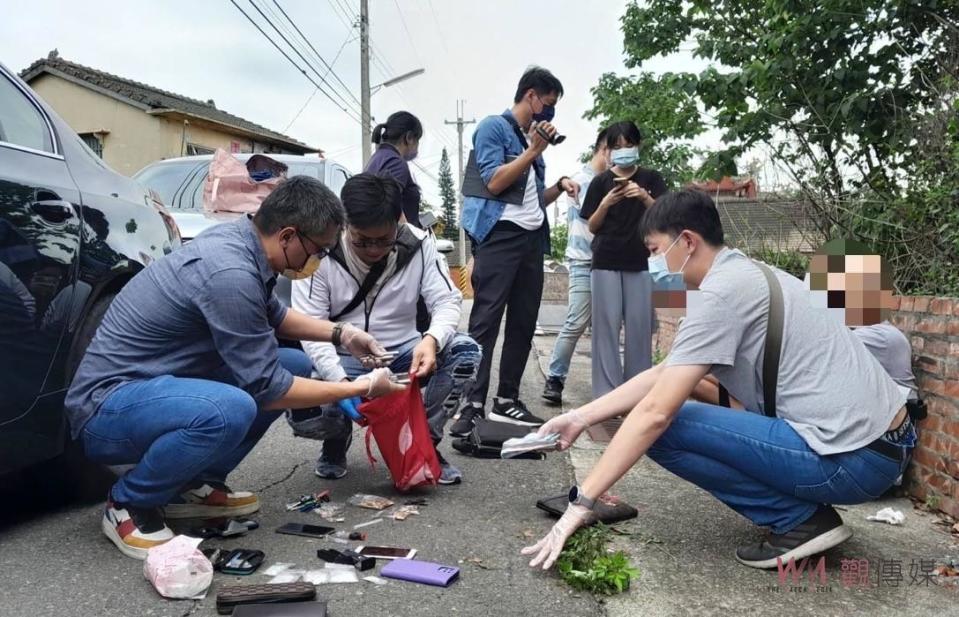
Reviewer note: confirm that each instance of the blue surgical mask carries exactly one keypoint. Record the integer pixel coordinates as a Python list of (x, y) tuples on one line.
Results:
[(659, 269), (409, 156), (625, 157), (547, 115)]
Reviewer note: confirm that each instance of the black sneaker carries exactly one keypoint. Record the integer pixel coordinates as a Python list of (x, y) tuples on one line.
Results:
[(821, 532), (513, 412), (468, 414), (553, 392)]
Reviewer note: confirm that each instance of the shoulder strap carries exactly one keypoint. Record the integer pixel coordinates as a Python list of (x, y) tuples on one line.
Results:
[(407, 245), (376, 270), (774, 340)]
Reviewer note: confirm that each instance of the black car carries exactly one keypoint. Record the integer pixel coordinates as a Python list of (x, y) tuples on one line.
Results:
[(72, 233)]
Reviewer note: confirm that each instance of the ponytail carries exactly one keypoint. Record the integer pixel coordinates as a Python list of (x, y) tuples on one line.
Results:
[(378, 131), (397, 126)]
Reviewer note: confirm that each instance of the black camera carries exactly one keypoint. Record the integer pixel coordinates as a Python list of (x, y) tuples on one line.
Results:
[(555, 140)]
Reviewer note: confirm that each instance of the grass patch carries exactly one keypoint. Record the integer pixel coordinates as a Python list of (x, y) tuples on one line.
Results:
[(586, 565)]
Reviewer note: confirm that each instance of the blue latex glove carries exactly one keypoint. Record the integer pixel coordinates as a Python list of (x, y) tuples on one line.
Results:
[(349, 407)]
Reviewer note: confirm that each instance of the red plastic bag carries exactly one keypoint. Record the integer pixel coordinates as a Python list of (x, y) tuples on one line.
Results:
[(398, 424)]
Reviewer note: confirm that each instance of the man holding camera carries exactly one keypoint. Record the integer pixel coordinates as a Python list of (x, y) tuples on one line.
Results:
[(506, 221)]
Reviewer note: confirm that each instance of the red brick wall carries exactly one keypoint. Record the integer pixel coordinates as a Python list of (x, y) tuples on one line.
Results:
[(932, 325)]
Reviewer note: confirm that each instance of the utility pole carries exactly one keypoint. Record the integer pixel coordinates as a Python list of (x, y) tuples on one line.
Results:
[(365, 137), (459, 130)]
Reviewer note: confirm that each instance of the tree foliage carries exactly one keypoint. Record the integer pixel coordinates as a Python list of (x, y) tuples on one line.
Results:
[(855, 99), (448, 195)]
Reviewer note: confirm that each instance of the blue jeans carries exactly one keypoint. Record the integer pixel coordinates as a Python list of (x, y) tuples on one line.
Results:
[(178, 430), (577, 320), (761, 468), (455, 373)]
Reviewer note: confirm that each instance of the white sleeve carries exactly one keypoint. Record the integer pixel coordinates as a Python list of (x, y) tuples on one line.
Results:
[(315, 302), (443, 299)]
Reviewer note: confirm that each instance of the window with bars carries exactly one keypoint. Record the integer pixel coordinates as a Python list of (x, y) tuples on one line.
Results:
[(94, 142)]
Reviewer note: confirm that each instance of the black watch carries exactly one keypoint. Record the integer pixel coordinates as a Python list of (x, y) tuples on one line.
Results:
[(577, 497)]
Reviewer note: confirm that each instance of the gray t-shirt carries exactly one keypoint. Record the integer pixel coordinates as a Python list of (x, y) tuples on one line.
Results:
[(831, 390), (892, 349)]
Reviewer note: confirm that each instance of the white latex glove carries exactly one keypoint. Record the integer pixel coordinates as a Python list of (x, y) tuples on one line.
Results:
[(569, 425), (380, 383), (361, 345), (548, 549)]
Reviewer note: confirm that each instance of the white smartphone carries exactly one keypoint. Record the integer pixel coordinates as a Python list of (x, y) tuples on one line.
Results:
[(386, 552)]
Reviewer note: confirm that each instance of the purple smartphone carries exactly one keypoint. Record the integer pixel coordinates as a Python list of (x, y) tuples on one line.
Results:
[(421, 572)]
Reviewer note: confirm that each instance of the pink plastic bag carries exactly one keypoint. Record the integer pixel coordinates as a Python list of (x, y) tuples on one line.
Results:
[(178, 569), (229, 188)]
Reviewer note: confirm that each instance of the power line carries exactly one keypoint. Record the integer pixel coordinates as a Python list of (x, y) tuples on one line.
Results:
[(344, 20), (349, 37), (293, 62), (297, 52), (328, 66), (439, 30), (409, 35)]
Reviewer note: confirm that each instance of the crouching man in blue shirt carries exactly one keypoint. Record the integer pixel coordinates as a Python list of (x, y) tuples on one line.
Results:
[(184, 375)]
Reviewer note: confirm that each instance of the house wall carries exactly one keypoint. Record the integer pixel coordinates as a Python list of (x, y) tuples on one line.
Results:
[(135, 137)]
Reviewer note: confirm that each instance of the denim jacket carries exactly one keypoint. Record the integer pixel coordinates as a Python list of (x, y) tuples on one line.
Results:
[(493, 140)]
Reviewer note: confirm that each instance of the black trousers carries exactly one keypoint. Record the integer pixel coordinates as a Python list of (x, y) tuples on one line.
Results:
[(507, 276)]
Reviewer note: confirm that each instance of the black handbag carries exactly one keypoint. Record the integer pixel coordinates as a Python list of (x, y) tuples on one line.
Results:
[(486, 440)]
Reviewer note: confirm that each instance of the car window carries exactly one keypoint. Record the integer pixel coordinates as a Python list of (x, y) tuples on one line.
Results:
[(338, 178), (21, 122), (175, 181), (180, 184)]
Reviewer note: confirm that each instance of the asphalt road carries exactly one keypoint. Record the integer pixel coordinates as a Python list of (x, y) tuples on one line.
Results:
[(54, 561)]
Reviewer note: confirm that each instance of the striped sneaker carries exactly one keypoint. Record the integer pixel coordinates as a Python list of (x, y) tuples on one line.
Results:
[(134, 530), (513, 412), (212, 501)]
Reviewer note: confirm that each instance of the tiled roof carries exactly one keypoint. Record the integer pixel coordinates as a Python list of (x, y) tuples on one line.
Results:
[(153, 98), (751, 225)]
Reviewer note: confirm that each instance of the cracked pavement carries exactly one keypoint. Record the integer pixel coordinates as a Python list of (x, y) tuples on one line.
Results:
[(54, 561)]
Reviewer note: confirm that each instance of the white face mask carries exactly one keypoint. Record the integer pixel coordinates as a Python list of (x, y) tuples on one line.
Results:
[(625, 157)]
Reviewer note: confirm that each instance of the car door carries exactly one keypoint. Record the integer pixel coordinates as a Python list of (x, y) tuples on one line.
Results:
[(39, 250)]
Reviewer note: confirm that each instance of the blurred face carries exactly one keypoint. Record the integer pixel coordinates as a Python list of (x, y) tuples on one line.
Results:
[(854, 283), (372, 244)]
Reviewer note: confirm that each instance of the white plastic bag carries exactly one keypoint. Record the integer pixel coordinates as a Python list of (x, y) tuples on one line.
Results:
[(177, 569)]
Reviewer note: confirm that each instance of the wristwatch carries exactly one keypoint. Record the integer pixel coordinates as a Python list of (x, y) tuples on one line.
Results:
[(577, 497), (337, 334)]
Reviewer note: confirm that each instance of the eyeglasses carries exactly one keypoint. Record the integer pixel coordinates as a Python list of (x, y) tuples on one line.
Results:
[(367, 243), (320, 252)]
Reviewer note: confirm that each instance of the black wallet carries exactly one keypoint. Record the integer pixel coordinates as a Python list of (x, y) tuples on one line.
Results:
[(473, 185), (298, 609), (602, 512), (230, 597)]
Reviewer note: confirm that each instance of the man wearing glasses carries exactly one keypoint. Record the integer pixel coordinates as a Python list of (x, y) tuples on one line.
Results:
[(184, 375), (373, 280)]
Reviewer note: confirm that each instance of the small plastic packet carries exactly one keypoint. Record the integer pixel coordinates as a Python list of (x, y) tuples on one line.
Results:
[(278, 568), (332, 512), (375, 580), (371, 502), (287, 576), (404, 512), (367, 523), (177, 568), (329, 575)]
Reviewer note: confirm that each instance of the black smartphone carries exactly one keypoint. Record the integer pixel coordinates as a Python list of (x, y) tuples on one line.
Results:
[(310, 531)]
